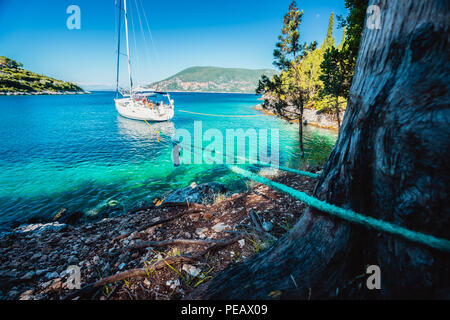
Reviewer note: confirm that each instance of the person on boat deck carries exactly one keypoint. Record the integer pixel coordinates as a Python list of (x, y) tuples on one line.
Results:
[(147, 103)]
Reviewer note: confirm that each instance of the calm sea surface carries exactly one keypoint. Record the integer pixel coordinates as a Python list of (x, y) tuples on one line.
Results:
[(76, 152)]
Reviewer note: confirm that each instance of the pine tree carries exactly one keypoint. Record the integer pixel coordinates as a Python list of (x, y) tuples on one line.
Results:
[(329, 39), (344, 35), (336, 76), (288, 93), (354, 24)]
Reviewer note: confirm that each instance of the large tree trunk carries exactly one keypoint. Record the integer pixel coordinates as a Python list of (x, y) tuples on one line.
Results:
[(390, 162), (338, 113)]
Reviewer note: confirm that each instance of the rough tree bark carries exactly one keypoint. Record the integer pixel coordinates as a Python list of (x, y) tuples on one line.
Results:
[(338, 113), (390, 162)]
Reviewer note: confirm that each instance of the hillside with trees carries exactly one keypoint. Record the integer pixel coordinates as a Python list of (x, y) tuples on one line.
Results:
[(16, 80), (213, 79)]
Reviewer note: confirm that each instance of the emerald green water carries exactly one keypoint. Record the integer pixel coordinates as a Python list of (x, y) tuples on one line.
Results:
[(76, 152)]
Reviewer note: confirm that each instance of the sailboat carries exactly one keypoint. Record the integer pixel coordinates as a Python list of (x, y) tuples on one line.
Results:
[(138, 103)]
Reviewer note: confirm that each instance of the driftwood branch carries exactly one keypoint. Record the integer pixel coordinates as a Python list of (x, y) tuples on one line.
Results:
[(143, 272), (146, 244), (156, 222)]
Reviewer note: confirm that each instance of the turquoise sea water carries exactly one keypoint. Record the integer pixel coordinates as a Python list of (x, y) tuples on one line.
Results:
[(76, 152)]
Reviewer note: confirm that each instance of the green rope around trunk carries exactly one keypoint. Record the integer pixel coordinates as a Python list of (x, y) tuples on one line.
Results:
[(349, 215)]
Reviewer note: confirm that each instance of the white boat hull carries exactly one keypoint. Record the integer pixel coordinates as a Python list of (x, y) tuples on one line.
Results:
[(137, 111), (135, 130)]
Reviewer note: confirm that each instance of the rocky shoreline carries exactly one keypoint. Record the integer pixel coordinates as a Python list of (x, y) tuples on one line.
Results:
[(159, 252), (312, 117)]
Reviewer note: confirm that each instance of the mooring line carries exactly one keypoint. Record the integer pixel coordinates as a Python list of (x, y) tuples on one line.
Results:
[(224, 115), (349, 215)]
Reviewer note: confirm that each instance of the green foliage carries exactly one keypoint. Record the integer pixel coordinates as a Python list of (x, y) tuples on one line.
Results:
[(15, 79), (337, 72), (339, 63), (353, 24), (9, 63), (290, 88), (327, 104), (291, 91), (344, 35), (329, 39), (318, 78), (299, 83), (288, 46)]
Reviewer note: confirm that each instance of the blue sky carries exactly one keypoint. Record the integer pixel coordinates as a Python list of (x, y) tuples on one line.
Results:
[(232, 33)]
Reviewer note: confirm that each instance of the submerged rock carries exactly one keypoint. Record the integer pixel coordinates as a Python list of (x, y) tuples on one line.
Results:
[(194, 193), (104, 210), (60, 213), (64, 216), (39, 227), (113, 203)]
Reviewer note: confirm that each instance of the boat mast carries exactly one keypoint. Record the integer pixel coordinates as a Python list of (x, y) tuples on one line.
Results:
[(118, 49), (128, 45)]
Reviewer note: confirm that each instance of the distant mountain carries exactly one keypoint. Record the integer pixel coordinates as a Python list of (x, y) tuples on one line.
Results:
[(16, 80), (213, 79)]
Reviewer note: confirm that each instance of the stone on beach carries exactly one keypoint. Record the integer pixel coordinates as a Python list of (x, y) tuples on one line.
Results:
[(191, 270), (201, 232), (173, 284), (220, 227), (29, 275)]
